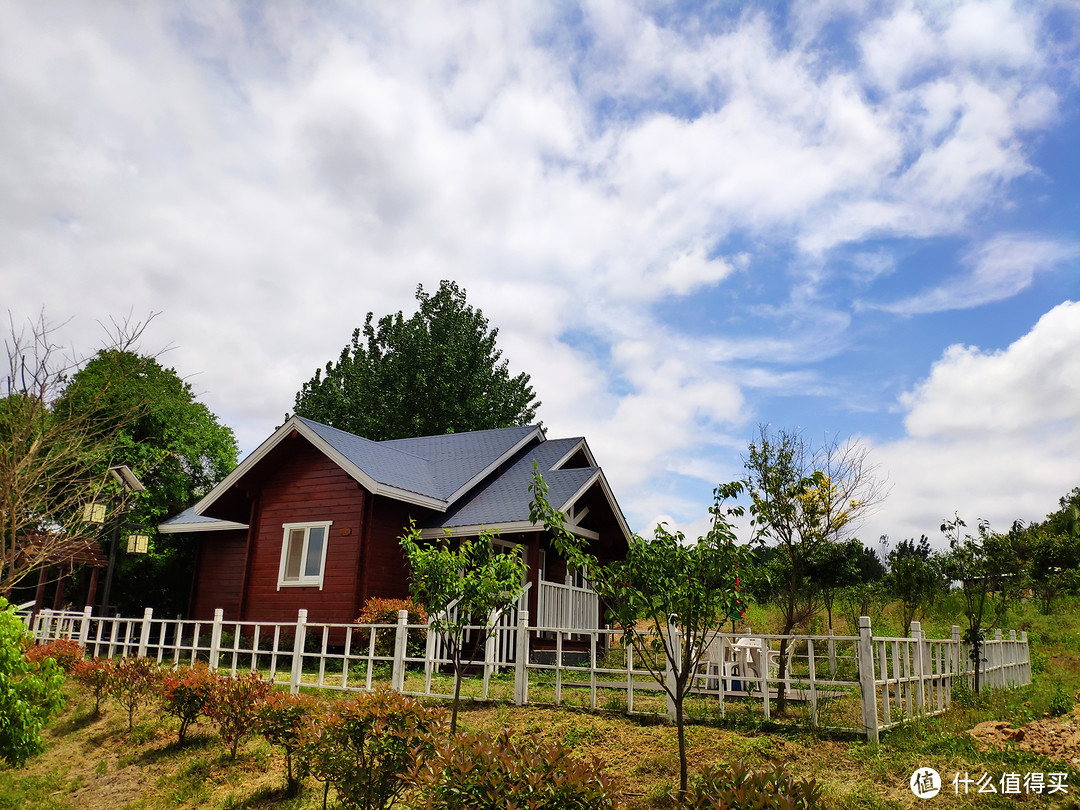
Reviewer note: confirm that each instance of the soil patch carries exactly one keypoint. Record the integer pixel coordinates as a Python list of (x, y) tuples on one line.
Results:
[(1055, 737)]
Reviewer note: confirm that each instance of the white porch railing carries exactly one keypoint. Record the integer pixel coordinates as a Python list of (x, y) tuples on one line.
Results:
[(567, 606)]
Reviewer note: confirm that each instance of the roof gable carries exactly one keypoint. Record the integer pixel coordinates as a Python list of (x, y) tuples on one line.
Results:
[(430, 471)]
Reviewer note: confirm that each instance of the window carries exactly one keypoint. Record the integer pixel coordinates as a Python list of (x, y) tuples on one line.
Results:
[(303, 554)]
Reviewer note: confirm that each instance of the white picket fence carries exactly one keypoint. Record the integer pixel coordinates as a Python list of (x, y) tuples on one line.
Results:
[(864, 684)]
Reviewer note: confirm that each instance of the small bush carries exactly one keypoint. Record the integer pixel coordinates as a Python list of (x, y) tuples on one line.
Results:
[(473, 772), (234, 706), (1061, 702), (95, 674), (65, 652), (29, 691), (184, 694), (280, 720), (363, 747), (132, 682), (385, 611), (718, 788)]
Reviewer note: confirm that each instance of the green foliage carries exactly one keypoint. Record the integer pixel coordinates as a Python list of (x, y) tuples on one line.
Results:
[(1061, 702), (280, 720), (173, 443), (461, 587), (741, 786), (133, 682), (385, 611), (96, 675), (29, 692), (234, 706), (474, 772), (184, 695), (65, 652), (433, 373), (682, 593), (363, 747), (986, 566), (915, 576)]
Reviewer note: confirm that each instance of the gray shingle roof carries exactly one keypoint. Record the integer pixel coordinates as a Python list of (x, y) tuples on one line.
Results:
[(506, 498), (436, 466)]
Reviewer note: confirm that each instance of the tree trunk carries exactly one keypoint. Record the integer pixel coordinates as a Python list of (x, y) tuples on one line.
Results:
[(681, 728), (781, 686)]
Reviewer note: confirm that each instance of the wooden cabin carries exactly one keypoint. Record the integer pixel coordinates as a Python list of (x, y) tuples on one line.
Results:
[(311, 519)]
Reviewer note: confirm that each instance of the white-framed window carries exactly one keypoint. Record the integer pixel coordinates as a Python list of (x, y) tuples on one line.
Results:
[(303, 554)]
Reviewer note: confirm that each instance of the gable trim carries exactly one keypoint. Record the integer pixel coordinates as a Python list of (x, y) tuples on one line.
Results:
[(515, 527), (494, 465), (294, 424), (606, 488)]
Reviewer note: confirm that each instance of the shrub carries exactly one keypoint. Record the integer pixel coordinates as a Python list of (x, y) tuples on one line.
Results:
[(385, 611), (65, 652), (280, 720), (471, 772), (362, 747), (718, 788), (132, 682), (185, 693), (95, 674), (234, 706), (29, 691), (1061, 702)]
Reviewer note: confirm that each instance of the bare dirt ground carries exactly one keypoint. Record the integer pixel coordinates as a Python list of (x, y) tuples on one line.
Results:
[(1055, 737)]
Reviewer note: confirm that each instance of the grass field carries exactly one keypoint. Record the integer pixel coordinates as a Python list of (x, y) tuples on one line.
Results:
[(93, 763)]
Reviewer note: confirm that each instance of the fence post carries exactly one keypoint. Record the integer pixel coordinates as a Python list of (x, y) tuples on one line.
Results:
[(45, 623), (920, 667), (832, 654), (84, 625), (521, 660), (215, 638), (867, 684), (1012, 679), (298, 651), (1025, 669), (959, 669), (401, 638), (674, 645), (144, 631), (489, 650), (998, 661)]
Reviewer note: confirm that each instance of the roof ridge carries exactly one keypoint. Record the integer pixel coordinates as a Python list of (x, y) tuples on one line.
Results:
[(383, 444)]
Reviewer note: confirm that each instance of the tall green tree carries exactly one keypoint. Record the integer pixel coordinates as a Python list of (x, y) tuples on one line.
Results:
[(436, 372), (175, 446), (802, 499), (671, 598)]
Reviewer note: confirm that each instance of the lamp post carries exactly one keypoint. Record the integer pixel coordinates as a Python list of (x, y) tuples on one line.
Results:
[(123, 474)]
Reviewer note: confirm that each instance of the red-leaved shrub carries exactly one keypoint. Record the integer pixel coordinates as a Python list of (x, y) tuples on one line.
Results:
[(234, 706), (185, 693), (65, 652)]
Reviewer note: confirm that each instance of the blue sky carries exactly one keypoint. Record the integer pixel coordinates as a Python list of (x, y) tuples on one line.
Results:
[(685, 219)]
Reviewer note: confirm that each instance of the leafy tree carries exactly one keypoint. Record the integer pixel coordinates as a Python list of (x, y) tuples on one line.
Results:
[(914, 576), (989, 575), (29, 692), (461, 588), (804, 498), (684, 593), (50, 463), (1053, 550), (835, 566), (174, 445), (436, 372)]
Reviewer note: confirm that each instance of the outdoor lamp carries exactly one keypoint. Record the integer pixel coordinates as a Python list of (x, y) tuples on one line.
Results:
[(94, 513), (137, 543)]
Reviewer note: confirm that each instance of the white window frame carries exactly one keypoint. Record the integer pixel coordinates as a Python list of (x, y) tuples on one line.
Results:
[(303, 581)]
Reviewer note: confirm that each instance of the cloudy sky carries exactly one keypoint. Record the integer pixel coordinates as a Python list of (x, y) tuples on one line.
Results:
[(685, 220)]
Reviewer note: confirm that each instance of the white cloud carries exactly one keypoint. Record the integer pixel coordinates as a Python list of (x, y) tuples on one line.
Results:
[(992, 435), (1005, 266)]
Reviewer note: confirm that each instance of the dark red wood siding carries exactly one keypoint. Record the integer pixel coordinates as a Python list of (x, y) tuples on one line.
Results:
[(220, 572), (308, 488)]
